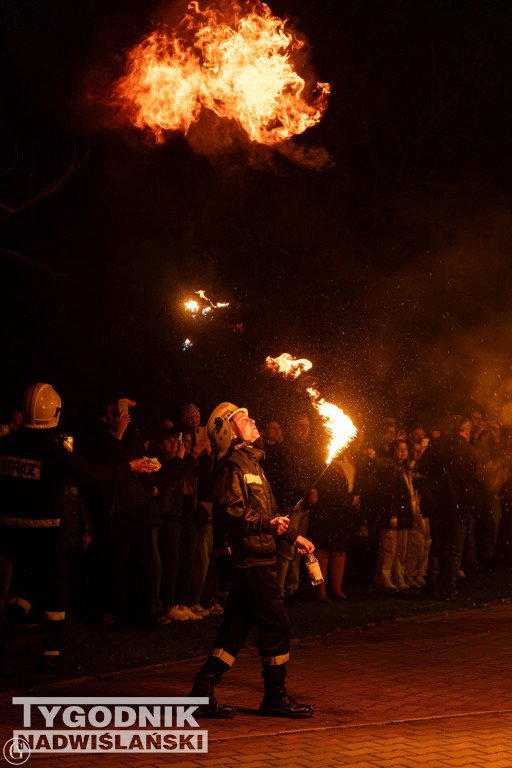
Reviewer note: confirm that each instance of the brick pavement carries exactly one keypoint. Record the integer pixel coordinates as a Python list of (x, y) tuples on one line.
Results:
[(423, 693)]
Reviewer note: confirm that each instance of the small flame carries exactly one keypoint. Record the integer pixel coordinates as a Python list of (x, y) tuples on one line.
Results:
[(187, 344), (237, 63), (192, 306), (219, 305), (286, 365), (339, 427)]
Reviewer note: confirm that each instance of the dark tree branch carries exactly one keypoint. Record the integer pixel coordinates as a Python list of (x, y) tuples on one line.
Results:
[(48, 190), (12, 166), (7, 211), (31, 261)]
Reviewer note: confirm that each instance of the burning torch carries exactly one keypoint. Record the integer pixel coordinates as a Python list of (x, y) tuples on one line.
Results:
[(340, 429)]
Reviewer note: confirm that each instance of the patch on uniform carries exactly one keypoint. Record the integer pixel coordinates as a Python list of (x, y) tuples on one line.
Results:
[(253, 479), (26, 468)]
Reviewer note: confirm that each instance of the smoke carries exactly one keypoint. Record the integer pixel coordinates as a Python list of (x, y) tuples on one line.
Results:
[(441, 324)]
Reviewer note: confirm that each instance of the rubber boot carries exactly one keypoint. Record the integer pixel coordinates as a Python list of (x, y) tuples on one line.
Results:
[(13, 615), (276, 701), (206, 680), (52, 649)]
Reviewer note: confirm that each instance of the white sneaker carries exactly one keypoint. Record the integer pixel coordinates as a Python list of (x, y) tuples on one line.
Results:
[(199, 610), (216, 609), (176, 614), (189, 614)]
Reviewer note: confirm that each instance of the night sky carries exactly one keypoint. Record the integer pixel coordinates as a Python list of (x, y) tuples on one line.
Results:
[(391, 269)]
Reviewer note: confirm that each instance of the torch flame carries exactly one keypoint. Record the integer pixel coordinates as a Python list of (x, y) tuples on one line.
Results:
[(237, 63), (192, 306), (286, 365), (337, 424)]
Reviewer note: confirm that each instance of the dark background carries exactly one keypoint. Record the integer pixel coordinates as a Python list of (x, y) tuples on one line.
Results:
[(390, 270)]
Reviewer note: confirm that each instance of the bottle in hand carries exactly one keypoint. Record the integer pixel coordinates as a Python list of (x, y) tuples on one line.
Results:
[(315, 574)]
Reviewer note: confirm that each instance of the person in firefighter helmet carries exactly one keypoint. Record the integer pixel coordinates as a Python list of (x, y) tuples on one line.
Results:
[(34, 467), (246, 519), (220, 429), (40, 407)]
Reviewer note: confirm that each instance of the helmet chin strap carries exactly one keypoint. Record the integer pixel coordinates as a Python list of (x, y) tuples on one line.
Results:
[(236, 436)]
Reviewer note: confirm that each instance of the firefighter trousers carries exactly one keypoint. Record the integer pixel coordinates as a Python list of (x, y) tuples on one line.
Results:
[(254, 603), (39, 576)]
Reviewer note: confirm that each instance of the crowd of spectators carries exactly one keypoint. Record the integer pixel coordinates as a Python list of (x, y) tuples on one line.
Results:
[(406, 511)]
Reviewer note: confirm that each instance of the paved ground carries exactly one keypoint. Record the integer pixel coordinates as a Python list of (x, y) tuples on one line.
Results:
[(426, 693)]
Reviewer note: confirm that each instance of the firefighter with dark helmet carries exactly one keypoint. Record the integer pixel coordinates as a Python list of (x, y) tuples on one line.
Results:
[(245, 517), (33, 466)]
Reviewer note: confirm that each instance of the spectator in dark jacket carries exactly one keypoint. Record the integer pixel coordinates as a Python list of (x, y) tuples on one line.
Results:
[(277, 462), (131, 512), (448, 469)]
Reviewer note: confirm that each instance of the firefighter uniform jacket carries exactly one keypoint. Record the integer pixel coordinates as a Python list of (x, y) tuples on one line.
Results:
[(33, 465), (243, 506)]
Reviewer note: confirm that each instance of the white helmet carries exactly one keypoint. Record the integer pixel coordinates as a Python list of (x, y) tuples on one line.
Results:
[(219, 428), (40, 407)]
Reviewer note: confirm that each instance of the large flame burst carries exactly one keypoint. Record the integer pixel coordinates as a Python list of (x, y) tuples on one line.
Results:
[(340, 429), (238, 63)]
